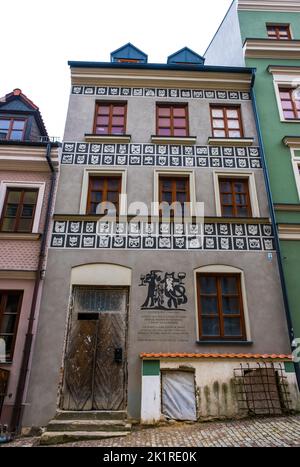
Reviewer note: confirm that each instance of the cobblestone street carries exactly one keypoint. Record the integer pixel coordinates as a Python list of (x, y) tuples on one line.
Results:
[(259, 432)]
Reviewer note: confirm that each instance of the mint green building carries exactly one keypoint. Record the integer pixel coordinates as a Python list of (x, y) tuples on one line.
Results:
[(265, 34)]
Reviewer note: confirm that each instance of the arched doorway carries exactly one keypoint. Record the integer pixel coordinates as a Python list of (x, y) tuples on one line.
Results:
[(95, 357)]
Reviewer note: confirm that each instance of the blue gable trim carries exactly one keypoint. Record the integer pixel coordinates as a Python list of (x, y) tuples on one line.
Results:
[(186, 55), (15, 104), (130, 52)]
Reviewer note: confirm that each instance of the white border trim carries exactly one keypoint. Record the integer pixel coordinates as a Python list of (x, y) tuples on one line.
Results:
[(223, 268), (175, 173), (296, 168), (38, 209), (252, 190), (103, 171), (284, 80)]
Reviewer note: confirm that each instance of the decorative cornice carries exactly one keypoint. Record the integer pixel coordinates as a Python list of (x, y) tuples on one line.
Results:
[(289, 231), (285, 6), (224, 80), (91, 138), (272, 48), (287, 207), (292, 141), (284, 70), (26, 158), (17, 275), (19, 236), (240, 142)]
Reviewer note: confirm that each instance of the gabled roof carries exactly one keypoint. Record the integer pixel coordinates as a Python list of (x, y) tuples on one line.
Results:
[(186, 55), (130, 52), (24, 105)]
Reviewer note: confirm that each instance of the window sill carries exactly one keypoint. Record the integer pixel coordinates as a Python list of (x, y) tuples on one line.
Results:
[(221, 342), (241, 142), (291, 120), (92, 138), (173, 139), (19, 236)]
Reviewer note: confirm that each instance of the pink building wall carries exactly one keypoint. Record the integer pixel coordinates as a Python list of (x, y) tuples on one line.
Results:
[(21, 255)]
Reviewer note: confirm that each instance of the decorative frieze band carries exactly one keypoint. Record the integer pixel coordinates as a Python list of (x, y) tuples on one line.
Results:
[(162, 236), (166, 155), (159, 93)]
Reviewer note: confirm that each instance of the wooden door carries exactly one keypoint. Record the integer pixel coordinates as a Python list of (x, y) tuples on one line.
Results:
[(95, 360)]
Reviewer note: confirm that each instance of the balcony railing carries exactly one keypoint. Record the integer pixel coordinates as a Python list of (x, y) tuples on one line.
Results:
[(39, 139)]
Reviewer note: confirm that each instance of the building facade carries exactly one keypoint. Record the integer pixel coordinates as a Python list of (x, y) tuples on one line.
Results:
[(266, 35), (28, 165), (141, 310)]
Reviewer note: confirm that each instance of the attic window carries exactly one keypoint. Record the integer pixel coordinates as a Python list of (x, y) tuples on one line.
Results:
[(12, 129)]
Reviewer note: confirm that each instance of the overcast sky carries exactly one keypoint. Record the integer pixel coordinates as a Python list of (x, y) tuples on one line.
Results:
[(40, 36)]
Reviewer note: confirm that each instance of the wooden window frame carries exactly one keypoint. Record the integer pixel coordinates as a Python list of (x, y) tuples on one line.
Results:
[(10, 129), (294, 109), (111, 104), (224, 108), (3, 301), (234, 205), (105, 190), (277, 31), (172, 106), (20, 205), (221, 337), (174, 190)]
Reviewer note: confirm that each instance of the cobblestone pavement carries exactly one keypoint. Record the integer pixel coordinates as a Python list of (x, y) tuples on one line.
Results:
[(259, 432)]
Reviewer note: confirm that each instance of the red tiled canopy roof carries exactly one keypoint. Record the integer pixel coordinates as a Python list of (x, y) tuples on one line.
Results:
[(217, 355)]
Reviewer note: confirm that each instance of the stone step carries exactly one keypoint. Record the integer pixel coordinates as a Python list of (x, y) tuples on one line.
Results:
[(88, 425), (90, 415), (60, 437)]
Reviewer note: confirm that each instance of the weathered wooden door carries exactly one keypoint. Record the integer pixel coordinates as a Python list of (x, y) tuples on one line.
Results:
[(95, 360)]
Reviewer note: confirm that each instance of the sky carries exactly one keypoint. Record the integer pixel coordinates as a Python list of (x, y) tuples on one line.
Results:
[(40, 36)]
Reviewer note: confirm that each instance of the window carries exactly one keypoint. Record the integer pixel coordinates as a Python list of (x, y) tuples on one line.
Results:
[(110, 118), (234, 197), (174, 189), (220, 306), (290, 103), (279, 31), (12, 129), (10, 305), (102, 189), (172, 120), (18, 210), (226, 122)]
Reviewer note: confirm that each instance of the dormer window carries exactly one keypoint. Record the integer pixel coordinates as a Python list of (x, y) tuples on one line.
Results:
[(12, 129)]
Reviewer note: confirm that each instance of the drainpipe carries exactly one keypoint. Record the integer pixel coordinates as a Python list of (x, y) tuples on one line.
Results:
[(274, 224), (17, 410)]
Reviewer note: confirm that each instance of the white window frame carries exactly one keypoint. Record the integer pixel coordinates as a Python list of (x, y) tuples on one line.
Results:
[(98, 172), (296, 168), (174, 173), (5, 184), (224, 269), (287, 81), (252, 190)]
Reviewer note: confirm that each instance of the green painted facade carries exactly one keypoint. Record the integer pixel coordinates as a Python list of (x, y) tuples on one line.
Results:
[(278, 156), (253, 23)]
